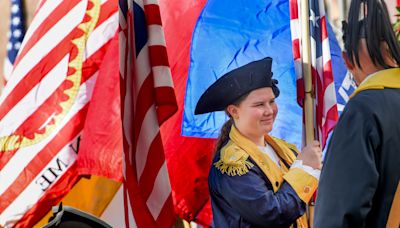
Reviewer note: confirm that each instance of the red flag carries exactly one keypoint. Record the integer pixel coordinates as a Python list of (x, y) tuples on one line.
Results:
[(100, 151), (148, 99), (44, 105), (188, 159)]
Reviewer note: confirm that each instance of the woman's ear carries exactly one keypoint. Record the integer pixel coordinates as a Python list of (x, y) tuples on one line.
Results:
[(233, 111)]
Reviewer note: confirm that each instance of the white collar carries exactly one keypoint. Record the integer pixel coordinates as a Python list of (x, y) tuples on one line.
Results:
[(268, 150)]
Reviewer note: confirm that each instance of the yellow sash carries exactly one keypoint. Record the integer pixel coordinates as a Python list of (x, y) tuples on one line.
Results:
[(389, 78), (264, 162)]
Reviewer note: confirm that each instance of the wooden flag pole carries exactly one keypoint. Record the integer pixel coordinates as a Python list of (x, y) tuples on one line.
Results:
[(308, 89), (306, 62)]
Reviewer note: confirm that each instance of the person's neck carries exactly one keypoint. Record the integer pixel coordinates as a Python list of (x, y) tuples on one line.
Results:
[(256, 139), (370, 73), (366, 72)]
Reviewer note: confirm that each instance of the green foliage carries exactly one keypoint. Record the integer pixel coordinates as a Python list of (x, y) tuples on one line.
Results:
[(396, 25)]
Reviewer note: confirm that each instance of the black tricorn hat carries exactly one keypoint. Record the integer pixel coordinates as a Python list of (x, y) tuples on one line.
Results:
[(65, 217), (236, 83)]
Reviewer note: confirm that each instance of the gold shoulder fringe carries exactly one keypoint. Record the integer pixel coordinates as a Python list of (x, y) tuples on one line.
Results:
[(233, 161)]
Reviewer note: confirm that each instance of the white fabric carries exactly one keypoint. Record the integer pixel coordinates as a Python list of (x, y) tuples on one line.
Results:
[(268, 150), (308, 169)]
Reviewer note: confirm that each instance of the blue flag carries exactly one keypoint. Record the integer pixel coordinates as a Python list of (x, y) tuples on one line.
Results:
[(232, 33)]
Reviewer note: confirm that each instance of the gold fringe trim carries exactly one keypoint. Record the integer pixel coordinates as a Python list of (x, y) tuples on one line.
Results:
[(239, 168)]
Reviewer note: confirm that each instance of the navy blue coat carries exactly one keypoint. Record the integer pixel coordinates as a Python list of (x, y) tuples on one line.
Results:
[(249, 200), (362, 166)]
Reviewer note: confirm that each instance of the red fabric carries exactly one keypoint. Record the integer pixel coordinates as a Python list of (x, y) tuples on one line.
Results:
[(188, 159), (100, 151), (53, 194)]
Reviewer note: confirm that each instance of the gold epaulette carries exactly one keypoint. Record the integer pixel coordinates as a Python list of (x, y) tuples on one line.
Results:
[(291, 146), (233, 161)]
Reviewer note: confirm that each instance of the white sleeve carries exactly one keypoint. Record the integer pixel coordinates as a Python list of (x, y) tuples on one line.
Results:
[(313, 172)]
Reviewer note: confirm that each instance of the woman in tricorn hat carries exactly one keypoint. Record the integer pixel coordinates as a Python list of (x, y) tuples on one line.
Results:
[(256, 180)]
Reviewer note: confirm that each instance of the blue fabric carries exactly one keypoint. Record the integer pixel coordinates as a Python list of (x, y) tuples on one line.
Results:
[(232, 33), (17, 29), (140, 25)]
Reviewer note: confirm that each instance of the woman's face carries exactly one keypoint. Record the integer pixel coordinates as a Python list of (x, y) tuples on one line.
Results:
[(255, 115)]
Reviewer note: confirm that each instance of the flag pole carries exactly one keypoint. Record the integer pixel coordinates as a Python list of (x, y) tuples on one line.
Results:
[(306, 62), (308, 88)]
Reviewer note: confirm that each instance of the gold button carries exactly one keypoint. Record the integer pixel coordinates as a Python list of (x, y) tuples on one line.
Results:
[(307, 189)]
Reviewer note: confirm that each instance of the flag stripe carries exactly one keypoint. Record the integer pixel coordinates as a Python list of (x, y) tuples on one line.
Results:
[(321, 67), (93, 51), (102, 34), (148, 132), (163, 75), (41, 14), (8, 66), (157, 38), (160, 193), (164, 219), (132, 222), (158, 55), (35, 75), (31, 120), (152, 15), (108, 10), (43, 157), (55, 192), (14, 117), (147, 184), (24, 155), (47, 47), (28, 197), (59, 30), (57, 16), (145, 73)]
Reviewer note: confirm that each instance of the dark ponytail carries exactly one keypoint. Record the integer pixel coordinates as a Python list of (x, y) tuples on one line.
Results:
[(375, 27), (226, 128), (223, 136)]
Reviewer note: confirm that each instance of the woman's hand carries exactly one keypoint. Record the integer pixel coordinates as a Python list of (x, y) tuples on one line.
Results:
[(311, 155)]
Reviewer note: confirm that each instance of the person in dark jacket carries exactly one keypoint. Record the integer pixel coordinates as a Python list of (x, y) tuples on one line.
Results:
[(256, 180), (359, 184), (69, 217)]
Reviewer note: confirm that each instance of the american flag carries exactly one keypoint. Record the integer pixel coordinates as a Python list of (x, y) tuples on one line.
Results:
[(325, 105), (44, 105), (15, 36), (148, 99)]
